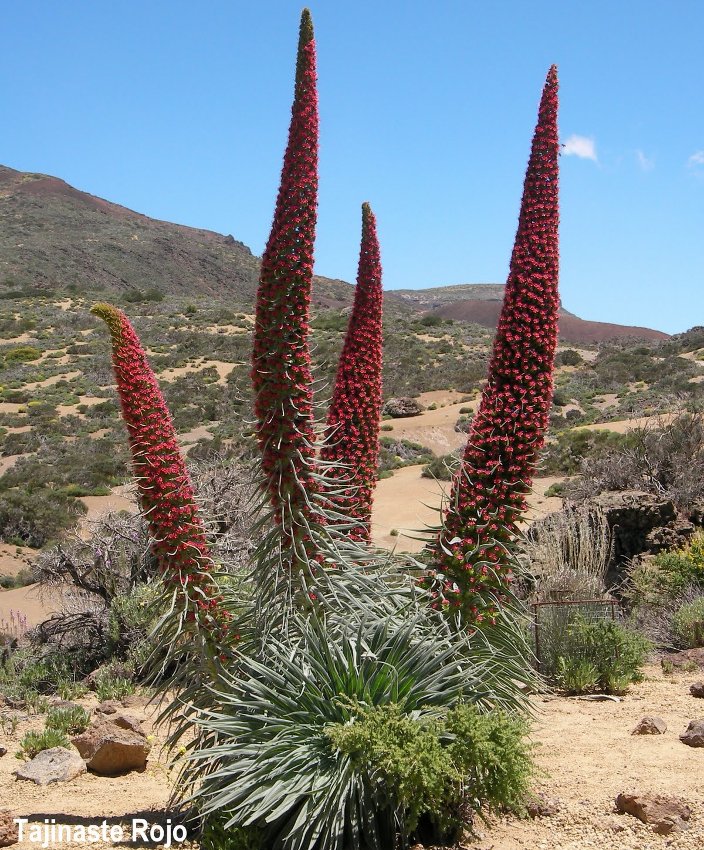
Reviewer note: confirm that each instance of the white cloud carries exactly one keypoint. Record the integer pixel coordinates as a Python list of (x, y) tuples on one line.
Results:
[(697, 158), (581, 146), (646, 163)]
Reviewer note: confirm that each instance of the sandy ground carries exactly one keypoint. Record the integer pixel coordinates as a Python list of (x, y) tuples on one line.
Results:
[(407, 502), (584, 750), (28, 601), (223, 369), (14, 558), (433, 428), (88, 798), (590, 756), (122, 498), (620, 426)]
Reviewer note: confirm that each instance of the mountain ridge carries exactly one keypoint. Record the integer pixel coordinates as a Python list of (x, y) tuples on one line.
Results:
[(56, 237)]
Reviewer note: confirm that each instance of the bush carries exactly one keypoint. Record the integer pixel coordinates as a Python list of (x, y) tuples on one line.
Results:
[(441, 468), (33, 518), (437, 768), (615, 653), (22, 354), (376, 740), (113, 687), (566, 454), (395, 453), (656, 581), (569, 357), (69, 720), (34, 742), (688, 624), (666, 460)]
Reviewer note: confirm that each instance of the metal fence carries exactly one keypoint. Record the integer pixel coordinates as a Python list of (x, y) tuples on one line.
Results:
[(552, 621)]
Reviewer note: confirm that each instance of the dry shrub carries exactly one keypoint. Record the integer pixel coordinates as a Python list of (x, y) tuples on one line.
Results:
[(569, 552), (665, 458)]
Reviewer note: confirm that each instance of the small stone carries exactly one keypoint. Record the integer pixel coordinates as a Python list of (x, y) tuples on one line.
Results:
[(136, 701), (650, 726), (694, 734), (109, 706), (55, 765), (3, 751), (541, 806), (697, 690), (9, 832)]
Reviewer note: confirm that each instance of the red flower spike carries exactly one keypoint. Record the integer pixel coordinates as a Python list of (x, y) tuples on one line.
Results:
[(163, 484), (489, 492), (353, 416), (281, 371)]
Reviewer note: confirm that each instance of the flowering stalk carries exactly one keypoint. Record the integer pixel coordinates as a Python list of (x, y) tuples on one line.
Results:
[(281, 371), (352, 446), (489, 492), (163, 484)]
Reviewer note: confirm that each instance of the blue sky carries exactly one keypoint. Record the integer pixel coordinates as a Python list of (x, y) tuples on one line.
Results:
[(179, 110)]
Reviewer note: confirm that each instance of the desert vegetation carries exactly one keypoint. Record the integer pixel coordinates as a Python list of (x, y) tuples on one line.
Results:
[(316, 689)]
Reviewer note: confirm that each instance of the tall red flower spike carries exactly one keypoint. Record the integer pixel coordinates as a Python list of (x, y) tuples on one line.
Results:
[(489, 492), (281, 372), (353, 416), (163, 484)]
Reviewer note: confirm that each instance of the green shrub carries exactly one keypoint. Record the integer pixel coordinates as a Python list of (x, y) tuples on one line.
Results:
[(615, 653), (34, 742), (441, 468), (357, 732), (688, 624), (33, 518), (395, 453), (569, 357), (438, 767), (22, 354), (69, 690), (114, 687), (656, 581), (70, 720), (576, 675), (431, 321)]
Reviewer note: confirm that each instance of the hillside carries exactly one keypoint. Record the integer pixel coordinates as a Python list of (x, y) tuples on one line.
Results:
[(481, 303), (56, 239)]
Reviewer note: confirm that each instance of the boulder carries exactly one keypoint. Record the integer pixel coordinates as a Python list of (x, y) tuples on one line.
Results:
[(633, 516), (693, 736), (127, 721), (399, 408), (697, 690), (3, 751), (9, 832), (687, 659), (664, 814), (650, 726), (55, 765), (109, 749)]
